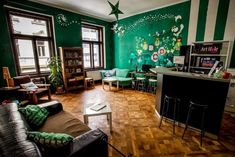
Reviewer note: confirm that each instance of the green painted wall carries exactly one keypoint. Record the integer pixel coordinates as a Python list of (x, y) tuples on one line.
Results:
[(6, 54), (64, 36), (133, 33)]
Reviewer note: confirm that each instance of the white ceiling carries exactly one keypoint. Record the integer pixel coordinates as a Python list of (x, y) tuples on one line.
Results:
[(101, 9)]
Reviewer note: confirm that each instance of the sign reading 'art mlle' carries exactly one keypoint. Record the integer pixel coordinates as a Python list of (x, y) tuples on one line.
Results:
[(208, 49)]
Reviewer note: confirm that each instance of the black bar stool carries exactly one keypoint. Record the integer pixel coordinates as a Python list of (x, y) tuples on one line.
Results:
[(167, 102), (152, 86), (140, 83), (192, 107)]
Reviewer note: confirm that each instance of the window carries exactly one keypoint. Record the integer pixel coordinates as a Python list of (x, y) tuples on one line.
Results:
[(92, 43), (32, 41)]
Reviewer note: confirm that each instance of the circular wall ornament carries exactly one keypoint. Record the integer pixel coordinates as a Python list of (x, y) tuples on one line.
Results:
[(154, 56), (161, 50)]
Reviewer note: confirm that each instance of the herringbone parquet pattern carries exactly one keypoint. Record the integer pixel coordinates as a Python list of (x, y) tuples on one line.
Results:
[(135, 126)]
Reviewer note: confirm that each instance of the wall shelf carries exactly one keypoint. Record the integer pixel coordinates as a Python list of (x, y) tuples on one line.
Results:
[(72, 67), (220, 55), (203, 55), (200, 67)]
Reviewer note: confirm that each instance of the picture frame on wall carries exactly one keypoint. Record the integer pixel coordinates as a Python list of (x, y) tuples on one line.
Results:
[(151, 47)]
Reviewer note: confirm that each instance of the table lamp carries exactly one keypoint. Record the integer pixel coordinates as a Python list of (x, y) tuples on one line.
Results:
[(6, 74)]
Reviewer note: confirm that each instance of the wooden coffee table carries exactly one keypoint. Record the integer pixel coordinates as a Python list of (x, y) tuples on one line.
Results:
[(87, 112)]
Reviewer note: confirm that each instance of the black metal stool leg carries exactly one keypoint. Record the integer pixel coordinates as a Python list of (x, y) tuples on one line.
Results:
[(163, 110), (188, 117), (202, 125), (174, 115), (167, 108), (166, 102), (178, 110)]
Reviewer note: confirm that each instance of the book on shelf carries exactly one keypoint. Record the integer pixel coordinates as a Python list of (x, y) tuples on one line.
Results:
[(79, 77), (207, 62), (72, 79), (198, 61), (78, 70)]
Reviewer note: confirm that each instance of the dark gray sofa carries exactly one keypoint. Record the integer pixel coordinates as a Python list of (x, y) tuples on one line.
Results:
[(14, 143)]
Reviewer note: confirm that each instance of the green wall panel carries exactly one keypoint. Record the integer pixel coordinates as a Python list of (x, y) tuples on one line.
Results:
[(221, 19), (6, 54), (133, 33), (69, 35), (201, 24)]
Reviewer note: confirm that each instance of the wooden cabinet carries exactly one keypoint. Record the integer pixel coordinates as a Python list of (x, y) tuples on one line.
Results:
[(72, 67), (203, 55)]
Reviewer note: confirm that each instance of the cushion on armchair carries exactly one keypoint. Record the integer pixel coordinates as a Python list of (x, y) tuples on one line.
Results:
[(122, 72), (110, 73), (29, 86)]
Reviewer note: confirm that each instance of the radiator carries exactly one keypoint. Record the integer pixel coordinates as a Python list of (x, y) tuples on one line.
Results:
[(96, 75)]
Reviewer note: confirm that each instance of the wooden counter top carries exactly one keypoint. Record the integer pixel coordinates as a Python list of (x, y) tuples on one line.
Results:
[(166, 71)]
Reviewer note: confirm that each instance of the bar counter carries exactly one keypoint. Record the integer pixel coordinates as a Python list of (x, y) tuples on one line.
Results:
[(198, 88)]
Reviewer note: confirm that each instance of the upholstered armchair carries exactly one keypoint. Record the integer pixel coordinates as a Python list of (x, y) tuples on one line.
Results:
[(30, 91), (122, 75)]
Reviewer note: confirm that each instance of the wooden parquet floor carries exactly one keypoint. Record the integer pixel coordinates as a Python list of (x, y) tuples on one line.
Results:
[(135, 126)]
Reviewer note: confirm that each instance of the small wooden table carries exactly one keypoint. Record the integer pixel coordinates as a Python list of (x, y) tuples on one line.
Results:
[(90, 80), (87, 112), (110, 81), (33, 98)]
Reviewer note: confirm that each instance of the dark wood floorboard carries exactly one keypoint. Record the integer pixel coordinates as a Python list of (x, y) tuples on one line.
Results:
[(135, 126)]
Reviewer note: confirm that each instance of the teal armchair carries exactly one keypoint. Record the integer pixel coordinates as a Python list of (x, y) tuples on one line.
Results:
[(122, 75)]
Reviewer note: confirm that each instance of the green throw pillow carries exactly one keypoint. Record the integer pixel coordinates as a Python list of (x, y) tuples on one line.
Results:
[(50, 140), (34, 115)]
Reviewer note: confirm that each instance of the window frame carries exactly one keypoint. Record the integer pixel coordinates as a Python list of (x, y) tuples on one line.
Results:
[(100, 42), (33, 38)]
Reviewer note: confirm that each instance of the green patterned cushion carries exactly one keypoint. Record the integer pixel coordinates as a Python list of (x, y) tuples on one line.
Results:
[(49, 140), (34, 115)]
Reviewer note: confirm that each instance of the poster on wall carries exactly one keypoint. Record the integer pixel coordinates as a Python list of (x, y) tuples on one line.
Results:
[(163, 29)]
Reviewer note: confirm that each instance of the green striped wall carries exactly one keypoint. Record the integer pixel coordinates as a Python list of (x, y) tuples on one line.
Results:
[(218, 28), (201, 24), (221, 19)]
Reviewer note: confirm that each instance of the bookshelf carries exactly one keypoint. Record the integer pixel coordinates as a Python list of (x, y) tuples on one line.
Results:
[(72, 67), (203, 55)]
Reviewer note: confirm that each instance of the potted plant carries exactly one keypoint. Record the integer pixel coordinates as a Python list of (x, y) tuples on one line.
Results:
[(55, 77)]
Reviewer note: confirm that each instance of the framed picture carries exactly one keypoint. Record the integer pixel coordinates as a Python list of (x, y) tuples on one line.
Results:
[(151, 47)]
